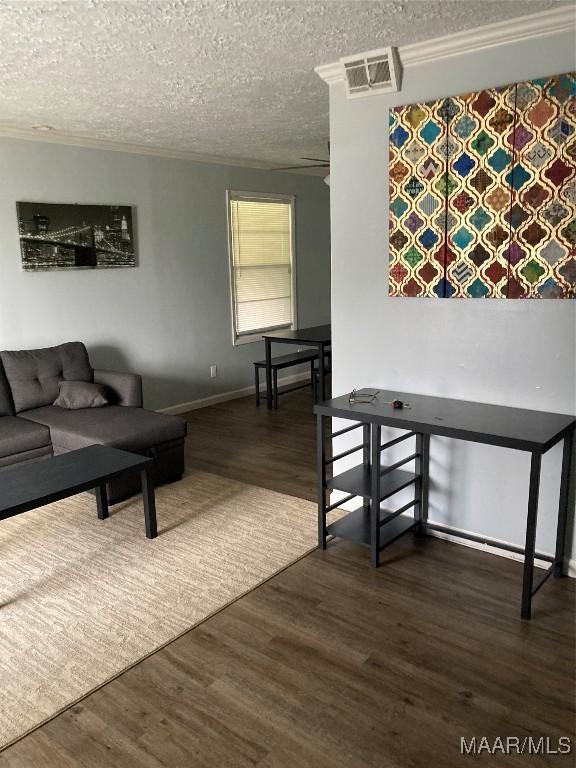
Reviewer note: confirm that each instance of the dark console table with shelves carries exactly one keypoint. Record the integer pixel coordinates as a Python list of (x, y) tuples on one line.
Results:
[(374, 481)]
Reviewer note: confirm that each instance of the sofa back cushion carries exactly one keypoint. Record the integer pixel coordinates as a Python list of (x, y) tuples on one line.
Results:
[(34, 375), (6, 404)]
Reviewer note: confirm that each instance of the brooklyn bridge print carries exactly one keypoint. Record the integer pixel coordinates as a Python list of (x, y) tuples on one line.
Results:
[(63, 236)]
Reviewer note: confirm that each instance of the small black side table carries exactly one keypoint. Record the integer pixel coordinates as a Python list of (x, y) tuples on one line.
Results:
[(28, 486)]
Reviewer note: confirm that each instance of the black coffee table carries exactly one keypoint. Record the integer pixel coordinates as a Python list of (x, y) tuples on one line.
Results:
[(28, 486)]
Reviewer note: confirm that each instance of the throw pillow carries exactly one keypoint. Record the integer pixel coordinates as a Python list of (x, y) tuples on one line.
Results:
[(80, 394)]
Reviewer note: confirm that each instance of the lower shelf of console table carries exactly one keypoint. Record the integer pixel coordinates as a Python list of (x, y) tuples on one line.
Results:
[(355, 526)]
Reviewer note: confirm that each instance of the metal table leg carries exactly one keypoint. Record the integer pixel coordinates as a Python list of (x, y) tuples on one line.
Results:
[(269, 398), (321, 469), (565, 492), (313, 380), (423, 482), (149, 499), (529, 549), (321, 379), (375, 494), (257, 384), (366, 463)]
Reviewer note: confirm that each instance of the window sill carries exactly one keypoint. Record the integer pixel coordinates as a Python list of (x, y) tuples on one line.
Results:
[(252, 338)]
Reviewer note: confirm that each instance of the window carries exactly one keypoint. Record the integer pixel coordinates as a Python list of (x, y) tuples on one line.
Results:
[(261, 263)]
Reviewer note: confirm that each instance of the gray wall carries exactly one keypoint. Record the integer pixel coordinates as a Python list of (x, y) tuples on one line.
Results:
[(519, 353), (170, 318)]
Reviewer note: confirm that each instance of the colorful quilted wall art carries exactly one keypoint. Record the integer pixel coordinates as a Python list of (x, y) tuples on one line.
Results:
[(483, 193)]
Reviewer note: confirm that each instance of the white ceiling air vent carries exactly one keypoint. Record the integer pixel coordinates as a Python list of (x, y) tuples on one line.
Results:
[(373, 72)]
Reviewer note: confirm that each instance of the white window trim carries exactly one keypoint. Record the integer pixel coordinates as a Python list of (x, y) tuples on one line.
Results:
[(251, 338)]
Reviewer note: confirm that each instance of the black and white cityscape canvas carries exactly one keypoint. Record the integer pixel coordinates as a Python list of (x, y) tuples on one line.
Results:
[(64, 236)]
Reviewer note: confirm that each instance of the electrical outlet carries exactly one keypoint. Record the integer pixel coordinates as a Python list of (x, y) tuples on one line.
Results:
[(213, 371)]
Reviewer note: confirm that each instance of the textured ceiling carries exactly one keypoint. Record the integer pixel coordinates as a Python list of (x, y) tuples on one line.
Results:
[(229, 78)]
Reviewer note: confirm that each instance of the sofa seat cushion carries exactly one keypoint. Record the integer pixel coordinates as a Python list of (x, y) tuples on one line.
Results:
[(18, 436), (132, 429)]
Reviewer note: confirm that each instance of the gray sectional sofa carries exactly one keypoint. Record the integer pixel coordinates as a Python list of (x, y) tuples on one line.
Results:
[(31, 427)]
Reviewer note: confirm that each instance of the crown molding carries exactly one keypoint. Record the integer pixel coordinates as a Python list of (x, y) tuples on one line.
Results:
[(67, 139), (330, 73), (539, 25), (502, 33)]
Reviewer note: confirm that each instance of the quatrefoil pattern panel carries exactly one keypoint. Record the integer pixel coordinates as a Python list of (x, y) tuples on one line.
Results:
[(483, 193)]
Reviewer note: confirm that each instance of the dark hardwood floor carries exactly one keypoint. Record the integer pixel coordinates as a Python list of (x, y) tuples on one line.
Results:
[(271, 449), (331, 664)]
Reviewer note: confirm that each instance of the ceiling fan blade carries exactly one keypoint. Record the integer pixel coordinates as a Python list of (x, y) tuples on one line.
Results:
[(288, 168), (316, 159), (295, 167)]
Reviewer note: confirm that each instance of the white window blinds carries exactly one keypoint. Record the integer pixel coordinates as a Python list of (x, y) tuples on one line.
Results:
[(261, 263)]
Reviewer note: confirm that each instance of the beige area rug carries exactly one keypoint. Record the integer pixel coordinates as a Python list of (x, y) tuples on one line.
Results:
[(83, 599)]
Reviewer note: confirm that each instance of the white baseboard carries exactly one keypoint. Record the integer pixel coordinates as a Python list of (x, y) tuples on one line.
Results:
[(351, 505), (494, 550), (223, 397)]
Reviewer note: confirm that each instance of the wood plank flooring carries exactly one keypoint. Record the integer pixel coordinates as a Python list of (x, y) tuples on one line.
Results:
[(331, 664), (271, 449)]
